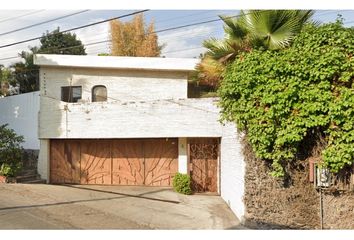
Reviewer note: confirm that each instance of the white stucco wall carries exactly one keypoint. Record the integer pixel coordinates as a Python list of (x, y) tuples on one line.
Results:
[(232, 170), (143, 119), (121, 84), (182, 155), (21, 113), (44, 159), (117, 62)]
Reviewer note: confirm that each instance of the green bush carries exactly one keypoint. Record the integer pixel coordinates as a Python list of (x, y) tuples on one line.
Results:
[(10, 152), (279, 97), (182, 183), (10, 170)]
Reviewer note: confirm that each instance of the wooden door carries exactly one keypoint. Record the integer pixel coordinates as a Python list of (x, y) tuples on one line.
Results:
[(95, 162), (151, 162), (64, 161), (203, 156), (161, 161), (127, 162)]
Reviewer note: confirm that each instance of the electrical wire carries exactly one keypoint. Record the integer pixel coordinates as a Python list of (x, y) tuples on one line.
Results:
[(75, 28), (154, 32), (20, 16), (44, 22), (158, 31)]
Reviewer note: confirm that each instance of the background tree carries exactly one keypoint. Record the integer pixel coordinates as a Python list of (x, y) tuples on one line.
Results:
[(6, 80), (134, 38), (26, 74), (253, 29), (61, 43)]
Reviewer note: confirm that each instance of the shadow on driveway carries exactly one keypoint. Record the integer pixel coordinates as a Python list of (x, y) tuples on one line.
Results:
[(121, 195)]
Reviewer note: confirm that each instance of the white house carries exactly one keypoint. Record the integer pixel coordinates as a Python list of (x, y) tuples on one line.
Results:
[(129, 121)]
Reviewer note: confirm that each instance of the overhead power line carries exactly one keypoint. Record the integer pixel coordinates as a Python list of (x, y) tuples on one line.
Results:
[(158, 31), (23, 15), (76, 28), (44, 22)]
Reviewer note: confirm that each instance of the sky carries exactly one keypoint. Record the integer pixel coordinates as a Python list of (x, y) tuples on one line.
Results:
[(183, 42)]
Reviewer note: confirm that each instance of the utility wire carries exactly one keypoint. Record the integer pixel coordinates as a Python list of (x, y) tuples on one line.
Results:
[(95, 38), (23, 15), (109, 40), (158, 31), (44, 22), (76, 28)]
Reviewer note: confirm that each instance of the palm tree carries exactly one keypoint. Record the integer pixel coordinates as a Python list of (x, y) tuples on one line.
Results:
[(267, 29)]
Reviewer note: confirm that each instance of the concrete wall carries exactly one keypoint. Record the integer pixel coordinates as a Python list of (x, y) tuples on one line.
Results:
[(232, 170), (182, 155), (143, 119), (21, 113), (122, 85), (43, 159)]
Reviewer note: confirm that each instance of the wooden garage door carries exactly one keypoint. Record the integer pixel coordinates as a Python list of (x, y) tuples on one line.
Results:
[(203, 157), (151, 162)]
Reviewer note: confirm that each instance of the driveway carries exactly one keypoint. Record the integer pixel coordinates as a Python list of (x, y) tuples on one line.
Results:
[(41, 206)]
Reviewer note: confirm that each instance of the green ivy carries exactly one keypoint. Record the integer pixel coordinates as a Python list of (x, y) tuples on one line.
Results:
[(277, 97)]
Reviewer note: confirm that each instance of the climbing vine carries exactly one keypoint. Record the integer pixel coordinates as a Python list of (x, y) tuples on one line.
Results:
[(278, 97)]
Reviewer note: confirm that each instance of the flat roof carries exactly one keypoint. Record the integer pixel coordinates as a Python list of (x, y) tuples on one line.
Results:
[(143, 63)]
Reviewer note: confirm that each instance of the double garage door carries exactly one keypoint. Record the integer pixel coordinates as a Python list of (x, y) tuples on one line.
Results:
[(149, 162)]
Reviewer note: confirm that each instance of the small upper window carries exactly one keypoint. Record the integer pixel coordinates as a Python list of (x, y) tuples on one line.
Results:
[(99, 94), (71, 94)]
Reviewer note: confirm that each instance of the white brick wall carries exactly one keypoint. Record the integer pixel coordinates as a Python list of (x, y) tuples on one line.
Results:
[(232, 170), (143, 119)]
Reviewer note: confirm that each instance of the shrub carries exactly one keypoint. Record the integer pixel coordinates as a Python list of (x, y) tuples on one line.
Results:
[(10, 151), (182, 183), (279, 97)]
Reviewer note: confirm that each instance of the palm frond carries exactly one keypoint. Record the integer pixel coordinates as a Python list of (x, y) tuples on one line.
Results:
[(217, 49), (275, 28)]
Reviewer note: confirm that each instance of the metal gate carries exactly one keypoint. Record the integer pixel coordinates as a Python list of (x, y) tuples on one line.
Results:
[(151, 162), (203, 157)]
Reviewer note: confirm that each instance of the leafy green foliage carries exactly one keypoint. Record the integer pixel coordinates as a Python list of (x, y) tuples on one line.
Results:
[(27, 74), (6, 79), (277, 97), (61, 43), (182, 183), (10, 151)]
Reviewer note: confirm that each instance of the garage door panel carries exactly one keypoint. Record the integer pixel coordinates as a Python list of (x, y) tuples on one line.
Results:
[(161, 161), (127, 162), (95, 162), (65, 161), (151, 162)]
